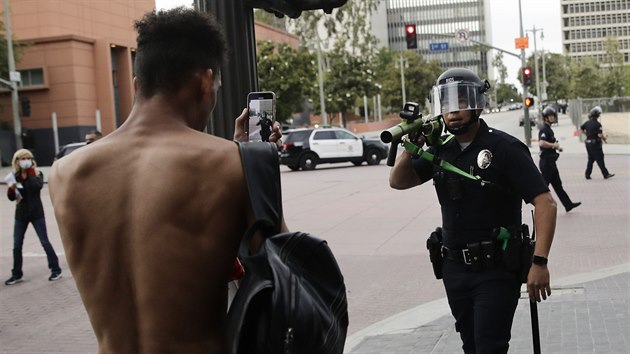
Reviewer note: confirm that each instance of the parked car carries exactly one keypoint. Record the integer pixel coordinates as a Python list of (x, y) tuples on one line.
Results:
[(533, 118), (306, 148), (68, 148)]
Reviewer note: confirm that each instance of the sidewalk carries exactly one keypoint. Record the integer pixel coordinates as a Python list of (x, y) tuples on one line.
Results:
[(585, 317)]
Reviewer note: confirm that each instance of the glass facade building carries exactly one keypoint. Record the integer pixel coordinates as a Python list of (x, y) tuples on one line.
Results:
[(437, 22), (587, 24)]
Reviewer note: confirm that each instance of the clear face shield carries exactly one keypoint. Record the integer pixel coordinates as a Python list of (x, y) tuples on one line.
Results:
[(456, 96)]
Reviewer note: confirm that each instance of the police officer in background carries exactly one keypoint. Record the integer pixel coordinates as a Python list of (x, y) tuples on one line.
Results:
[(594, 136), (549, 148), (482, 296)]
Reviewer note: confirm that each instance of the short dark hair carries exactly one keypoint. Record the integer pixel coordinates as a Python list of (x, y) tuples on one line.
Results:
[(173, 45), (94, 132)]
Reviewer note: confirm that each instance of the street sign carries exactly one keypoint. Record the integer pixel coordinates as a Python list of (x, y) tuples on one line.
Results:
[(522, 42), (438, 46), (15, 76), (462, 36)]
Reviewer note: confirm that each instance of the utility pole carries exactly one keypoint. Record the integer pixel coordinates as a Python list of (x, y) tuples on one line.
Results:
[(17, 126), (320, 64), (538, 90), (402, 64), (526, 122), (544, 83)]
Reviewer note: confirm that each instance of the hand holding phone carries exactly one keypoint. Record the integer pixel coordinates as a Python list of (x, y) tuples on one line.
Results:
[(262, 115)]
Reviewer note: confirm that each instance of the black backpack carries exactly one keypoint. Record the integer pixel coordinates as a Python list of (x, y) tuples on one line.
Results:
[(293, 297)]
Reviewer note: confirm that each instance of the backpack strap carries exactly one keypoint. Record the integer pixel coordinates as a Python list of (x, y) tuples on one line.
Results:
[(261, 167)]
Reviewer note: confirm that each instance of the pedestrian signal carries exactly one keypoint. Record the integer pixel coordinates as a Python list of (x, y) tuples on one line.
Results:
[(411, 36), (527, 76), (529, 101)]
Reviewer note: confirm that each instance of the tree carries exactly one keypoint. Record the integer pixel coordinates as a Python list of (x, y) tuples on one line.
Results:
[(287, 72), (270, 19), (585, 75), (613, 69), (420, 76), (558, 73), (350, 46)]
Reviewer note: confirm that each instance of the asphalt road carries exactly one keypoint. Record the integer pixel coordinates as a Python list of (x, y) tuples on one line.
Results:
[(378, 235)]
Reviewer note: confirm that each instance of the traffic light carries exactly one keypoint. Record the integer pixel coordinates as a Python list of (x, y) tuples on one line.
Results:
[(527, 76), (529, 101), (25, 102), (411, 36)]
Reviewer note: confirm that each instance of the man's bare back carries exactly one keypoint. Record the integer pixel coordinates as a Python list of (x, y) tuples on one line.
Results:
[(150, 234)]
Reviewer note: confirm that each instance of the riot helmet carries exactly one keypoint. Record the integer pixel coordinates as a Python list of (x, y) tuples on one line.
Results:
[(550, 111), (459, 90), (595, 112)]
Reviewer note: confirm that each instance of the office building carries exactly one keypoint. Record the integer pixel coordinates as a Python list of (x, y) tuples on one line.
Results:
[(587, 24), (437, 24)]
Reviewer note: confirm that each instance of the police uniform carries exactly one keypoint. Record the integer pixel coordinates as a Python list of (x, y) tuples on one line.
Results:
[(549, 169), (594, 147), (482, 301)]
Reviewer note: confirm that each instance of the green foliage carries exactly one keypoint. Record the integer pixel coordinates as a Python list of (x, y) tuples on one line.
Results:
[(507, 93), (288, 72), (586, 78), (18, 51), (270, 19), (558, 74), (420, 76)]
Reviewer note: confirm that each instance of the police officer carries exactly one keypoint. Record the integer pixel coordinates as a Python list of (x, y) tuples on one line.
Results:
[(594, 136), (549, 148), (482, 299)]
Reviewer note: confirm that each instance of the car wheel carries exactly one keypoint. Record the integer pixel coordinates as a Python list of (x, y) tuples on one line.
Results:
[(293, 167), (373, 157), (308, 162)]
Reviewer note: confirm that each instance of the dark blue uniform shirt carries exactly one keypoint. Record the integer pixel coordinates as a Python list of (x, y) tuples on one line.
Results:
[(592, 128), (546, 134), (470, 211)]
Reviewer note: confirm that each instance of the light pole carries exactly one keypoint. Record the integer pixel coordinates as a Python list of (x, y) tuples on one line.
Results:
[(538, 90), (544, 83), (403, 62), (526, 121), (17, 126), (320, 64)]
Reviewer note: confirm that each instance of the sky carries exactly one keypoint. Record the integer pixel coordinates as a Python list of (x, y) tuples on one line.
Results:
[(504, 15)]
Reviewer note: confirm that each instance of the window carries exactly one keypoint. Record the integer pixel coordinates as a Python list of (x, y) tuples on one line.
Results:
[(344, 135), (324, 135), (32, 77)]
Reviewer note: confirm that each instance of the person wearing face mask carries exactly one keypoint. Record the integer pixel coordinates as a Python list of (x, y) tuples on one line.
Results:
[(482, 292), (25, 188)]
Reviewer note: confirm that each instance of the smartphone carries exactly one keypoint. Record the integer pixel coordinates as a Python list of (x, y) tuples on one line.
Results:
[(262, 115)]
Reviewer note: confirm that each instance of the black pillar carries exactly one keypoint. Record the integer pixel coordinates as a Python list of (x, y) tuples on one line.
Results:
[(239, 75)]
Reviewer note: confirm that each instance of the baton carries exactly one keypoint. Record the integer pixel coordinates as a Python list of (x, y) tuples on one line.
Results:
[(533, 308)]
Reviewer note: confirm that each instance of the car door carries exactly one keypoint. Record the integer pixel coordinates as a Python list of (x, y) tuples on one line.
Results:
[(348, 144), (324, 143)]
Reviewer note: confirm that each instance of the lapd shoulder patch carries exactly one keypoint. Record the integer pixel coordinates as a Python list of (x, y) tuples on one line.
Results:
[(484, 159)]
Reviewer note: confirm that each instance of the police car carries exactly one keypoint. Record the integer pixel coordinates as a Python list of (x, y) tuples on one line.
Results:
[(306, 148)]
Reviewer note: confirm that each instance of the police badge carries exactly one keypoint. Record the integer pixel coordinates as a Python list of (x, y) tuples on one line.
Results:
[(484, 159)]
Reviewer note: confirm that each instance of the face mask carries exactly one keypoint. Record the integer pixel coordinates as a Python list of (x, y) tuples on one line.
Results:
[(26, 164)]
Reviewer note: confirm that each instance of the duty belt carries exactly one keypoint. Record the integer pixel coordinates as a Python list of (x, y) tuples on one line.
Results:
[(591, 141), (460, 256)]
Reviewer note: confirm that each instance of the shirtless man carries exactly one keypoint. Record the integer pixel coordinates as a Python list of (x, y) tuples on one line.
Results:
[(151, 217)]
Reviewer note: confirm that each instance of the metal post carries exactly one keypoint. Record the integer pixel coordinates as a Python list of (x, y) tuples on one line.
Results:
[(526, 121), (374, 117), (55, 131), (322, 103), (365, 108), (17, 125), (402, 80), (544, 84), (533, 307), (378, 102), (98, 121)]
